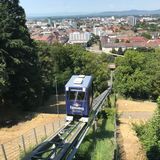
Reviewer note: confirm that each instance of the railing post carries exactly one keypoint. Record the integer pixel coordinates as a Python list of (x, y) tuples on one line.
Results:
[(23, 143), (59, 123), (4, 152), (57, 103), (95, 124), (35, 135), (45, 131), (53, 126)]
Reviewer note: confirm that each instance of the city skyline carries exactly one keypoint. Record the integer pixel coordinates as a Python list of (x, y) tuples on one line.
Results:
[(64, 7)]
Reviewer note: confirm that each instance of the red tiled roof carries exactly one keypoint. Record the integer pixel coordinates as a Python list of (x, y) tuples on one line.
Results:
[(153, 43), (40, 38), (49, 38), (134, 39), (150, 43), (138, 39)]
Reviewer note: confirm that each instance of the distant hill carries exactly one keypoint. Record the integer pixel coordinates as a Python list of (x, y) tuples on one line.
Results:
[(99, 14), (128, 13)]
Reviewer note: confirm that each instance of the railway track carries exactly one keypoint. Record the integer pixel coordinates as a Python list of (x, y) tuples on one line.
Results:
[(56, 146), (66, 142)]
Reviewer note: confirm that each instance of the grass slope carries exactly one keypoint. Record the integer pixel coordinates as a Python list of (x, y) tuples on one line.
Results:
[(99, 145)]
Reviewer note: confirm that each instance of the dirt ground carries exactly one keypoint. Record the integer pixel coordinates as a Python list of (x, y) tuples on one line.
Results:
[(132, 112), (7, 134), (44, 115)]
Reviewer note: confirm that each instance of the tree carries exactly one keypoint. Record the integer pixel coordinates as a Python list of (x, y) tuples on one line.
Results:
[(137, 75), (94, 40), (134, 29), (116, 40), (108, 58), (3, 78), (144, 49), (47, 65), (63, 61), (114, 51), (120, 51), (146, 35), (127, 41), (19, 58)]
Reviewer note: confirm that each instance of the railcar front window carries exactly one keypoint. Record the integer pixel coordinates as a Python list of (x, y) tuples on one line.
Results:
[(76, 95)]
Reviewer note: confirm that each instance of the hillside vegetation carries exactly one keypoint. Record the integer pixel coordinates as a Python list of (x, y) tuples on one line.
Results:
[(138, 76), (149, 135)]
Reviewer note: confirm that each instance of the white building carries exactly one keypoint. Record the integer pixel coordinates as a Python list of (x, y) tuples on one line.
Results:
[(73, 24), (97, 31), (49, 21), (131, 20), (79, 37)]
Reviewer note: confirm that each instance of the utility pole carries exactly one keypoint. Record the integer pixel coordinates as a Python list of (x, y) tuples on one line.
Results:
[(111, 77), (57, 97), (112, 68)]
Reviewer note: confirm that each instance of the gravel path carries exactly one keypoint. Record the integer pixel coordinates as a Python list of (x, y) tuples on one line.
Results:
[(132, 112), (136, 115)]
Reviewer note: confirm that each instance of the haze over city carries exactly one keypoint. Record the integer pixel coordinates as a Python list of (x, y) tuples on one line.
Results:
[(72, 7)]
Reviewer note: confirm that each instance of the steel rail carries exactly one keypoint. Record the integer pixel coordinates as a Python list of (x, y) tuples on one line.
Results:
[(54, 142)]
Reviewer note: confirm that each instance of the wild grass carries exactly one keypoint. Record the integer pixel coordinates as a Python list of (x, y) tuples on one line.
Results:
[(100, 145)]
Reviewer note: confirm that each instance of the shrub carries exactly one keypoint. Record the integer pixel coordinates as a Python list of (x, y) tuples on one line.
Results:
[(149, 135)]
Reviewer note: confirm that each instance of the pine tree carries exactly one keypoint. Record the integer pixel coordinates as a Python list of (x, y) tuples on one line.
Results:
[(20, 58)]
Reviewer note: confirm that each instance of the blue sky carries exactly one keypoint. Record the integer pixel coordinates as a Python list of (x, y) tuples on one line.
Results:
[(60, 7)]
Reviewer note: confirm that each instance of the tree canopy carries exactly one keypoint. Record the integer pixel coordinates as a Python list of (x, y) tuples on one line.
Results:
[(60, 62), (138, 74), (18, 59)]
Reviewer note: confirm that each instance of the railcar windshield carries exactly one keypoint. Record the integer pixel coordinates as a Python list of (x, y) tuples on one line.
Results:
[(76, 95)]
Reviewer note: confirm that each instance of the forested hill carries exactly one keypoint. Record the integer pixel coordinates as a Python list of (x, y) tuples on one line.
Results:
[(128, 13)]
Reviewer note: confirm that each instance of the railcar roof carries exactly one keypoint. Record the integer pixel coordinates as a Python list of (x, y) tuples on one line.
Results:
[(86, 82)]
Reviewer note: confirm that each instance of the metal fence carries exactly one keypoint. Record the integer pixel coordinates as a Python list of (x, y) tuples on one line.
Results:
[(18, 147)]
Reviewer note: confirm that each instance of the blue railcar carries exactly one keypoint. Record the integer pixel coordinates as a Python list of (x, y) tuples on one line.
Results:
[(79, 97)]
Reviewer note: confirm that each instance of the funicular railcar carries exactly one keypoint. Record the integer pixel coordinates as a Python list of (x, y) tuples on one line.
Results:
[(79, 97)]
